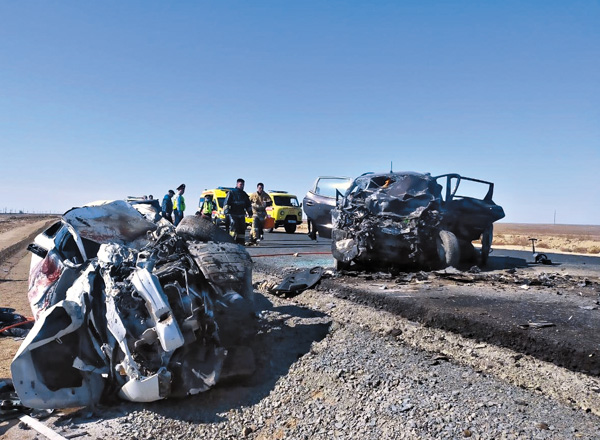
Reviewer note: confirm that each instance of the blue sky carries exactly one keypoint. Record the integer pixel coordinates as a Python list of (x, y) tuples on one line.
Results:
[(100, 100)]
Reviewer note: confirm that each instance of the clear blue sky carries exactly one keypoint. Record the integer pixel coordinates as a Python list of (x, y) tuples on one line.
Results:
[(104, 99)]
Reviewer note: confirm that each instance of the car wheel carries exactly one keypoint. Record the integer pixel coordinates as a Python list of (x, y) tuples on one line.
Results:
[(486, 244), (196, 228), (228, 266), (290, 229), (448, 249)]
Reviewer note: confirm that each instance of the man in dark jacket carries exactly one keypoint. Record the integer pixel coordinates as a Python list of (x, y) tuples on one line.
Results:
[(167, 205), (236, 205)]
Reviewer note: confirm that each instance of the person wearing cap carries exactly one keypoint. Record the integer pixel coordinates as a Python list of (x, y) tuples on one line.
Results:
[(207, 206), (167, 206), (236, 205), (179, 204), (260, 200)]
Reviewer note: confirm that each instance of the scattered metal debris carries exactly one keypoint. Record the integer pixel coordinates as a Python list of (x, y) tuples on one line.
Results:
[(536, 325), (41, 428), (562, 281), (14, 324), (296, 283), (125, 306)]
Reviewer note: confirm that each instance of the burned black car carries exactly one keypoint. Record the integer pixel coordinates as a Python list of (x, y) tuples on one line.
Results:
[(411, 219)]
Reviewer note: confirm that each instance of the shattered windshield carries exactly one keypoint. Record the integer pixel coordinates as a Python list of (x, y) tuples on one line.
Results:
[(396, 185), (396, 194)]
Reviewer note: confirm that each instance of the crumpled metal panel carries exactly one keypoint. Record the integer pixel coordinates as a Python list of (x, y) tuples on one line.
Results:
[(396, 219), (389, 218), (58, 365), (109, 222)]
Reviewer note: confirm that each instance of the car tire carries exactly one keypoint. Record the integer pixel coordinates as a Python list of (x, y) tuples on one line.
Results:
[(196, 228), (269, 230), (228, 266), (486, 244), (290, 229), (448, 249)]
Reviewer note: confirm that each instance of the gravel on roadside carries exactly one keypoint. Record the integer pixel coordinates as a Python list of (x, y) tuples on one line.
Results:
[(334, 369)]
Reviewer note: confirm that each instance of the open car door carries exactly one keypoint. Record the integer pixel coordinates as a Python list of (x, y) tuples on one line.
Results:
[(469, 211)]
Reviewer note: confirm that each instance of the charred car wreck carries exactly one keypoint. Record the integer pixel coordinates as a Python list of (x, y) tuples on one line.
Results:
[(407, 219), (125, 306)]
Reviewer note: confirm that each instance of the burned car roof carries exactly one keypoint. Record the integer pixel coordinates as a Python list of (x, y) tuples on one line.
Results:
[(396, 194)]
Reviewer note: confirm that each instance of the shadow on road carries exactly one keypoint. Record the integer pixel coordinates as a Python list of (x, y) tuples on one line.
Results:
[(278, 338)]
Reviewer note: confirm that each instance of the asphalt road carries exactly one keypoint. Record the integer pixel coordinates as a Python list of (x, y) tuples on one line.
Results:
[(282, 247), (548, 311)]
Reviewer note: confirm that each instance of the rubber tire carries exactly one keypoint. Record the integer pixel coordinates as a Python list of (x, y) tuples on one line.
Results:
[(290, 229), (448, 249), (195, 228)]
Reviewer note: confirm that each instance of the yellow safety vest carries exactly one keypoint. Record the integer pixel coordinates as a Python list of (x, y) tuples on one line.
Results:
[(207, 207), (176, 207)]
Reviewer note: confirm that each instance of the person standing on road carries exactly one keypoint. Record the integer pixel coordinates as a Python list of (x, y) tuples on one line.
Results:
[(179, 204), (236, 204), (207, 207), (167, 206), (260, 200)]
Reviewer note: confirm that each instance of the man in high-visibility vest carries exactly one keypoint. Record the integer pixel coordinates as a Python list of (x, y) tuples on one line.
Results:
[(179, 204), (207, 207)]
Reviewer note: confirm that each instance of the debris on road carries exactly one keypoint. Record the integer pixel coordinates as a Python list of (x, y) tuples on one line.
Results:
[(536, 325), (295, 283), (539, 258), (14, 324)]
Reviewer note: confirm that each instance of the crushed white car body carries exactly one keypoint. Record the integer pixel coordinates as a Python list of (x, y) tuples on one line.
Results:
[(125, 307)]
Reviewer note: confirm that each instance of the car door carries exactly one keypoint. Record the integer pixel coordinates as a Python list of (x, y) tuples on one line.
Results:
[(321, 198)]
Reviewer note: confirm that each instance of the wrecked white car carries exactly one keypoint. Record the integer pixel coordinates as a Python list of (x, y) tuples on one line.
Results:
[(125, 306)]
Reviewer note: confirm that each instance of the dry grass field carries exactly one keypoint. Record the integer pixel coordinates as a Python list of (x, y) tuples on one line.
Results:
[(579, 239)]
